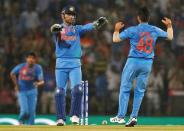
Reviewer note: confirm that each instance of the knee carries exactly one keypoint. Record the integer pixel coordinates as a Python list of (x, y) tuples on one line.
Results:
[(60, 91), (125, 89), (140, 91), (126, 86), (78, 89)]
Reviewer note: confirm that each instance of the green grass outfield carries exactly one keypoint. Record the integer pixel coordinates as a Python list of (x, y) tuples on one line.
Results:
[(97, 120), (90, 128)]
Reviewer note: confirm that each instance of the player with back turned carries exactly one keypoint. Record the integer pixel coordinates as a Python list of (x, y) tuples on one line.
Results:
[(68, 66), (139, 63)]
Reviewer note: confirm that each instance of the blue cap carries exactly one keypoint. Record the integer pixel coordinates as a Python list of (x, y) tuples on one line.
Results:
[(69, 10)]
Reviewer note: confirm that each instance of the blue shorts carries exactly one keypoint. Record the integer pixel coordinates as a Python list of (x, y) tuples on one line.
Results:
[(74, 75), (136, 68)]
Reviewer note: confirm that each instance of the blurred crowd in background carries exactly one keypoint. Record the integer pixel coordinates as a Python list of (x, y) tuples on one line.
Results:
[(25, 26)]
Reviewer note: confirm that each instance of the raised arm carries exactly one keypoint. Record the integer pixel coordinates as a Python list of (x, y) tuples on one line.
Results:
[(118, 26), (168, 24), (97, 24)]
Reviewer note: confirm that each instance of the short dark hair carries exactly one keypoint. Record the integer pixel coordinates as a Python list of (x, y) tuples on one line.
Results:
[(143, 14), (31, 54)]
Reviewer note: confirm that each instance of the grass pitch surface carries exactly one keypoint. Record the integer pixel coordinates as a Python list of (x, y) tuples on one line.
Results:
[(90, 128)]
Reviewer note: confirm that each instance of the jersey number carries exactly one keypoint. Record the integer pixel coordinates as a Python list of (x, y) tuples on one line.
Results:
[(145, 44)]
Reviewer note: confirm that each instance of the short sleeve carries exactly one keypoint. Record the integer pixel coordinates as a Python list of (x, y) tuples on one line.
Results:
[(160, 32), (127, 33), (39, 73), (16, 69)]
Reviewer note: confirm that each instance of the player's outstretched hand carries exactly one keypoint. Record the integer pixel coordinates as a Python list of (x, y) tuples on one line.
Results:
[(56, 28), (167, 22), (100, 22), (118, 26)]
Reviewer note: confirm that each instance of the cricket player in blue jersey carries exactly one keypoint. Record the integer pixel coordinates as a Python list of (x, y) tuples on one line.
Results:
[(26, 78), (68, 66), (139, 63)]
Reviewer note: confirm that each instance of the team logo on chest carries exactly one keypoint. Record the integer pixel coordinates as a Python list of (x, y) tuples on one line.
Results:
[(24, 71), (68, 34), (63, 31), (26, 74)]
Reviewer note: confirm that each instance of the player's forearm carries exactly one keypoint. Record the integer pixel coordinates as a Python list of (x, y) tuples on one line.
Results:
[(170, 32), (168, 24), (116, 37), (39, 83), (88, 27), (14, 79)]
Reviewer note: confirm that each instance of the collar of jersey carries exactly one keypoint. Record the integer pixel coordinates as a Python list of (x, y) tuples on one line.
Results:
[(144, 23)]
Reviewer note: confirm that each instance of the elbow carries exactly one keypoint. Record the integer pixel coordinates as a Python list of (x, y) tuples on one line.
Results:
[(43, 82), (11, 75), (170, 38), (114, 40), (116, 37)]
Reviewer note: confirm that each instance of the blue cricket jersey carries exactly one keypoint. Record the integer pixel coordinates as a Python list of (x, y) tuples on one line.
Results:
[(27, 76), (142, 39), (67, 45)]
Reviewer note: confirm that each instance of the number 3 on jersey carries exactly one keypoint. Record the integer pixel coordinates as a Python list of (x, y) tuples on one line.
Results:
[(145, 43)]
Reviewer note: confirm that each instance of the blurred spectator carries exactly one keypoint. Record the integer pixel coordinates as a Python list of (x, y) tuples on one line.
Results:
[(154, 91), (7, 104), (29, 19), (47, 97), (180, 42), (2, 69), (176, 89), (175, 76), (42, 5), (100, 75), (100, 70), (113, 76)]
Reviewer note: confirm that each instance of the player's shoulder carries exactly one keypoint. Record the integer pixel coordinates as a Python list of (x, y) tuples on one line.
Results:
[(154, 27), (21, 64), (131, 29), (18, 66), (38, 66), (78, 26)]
